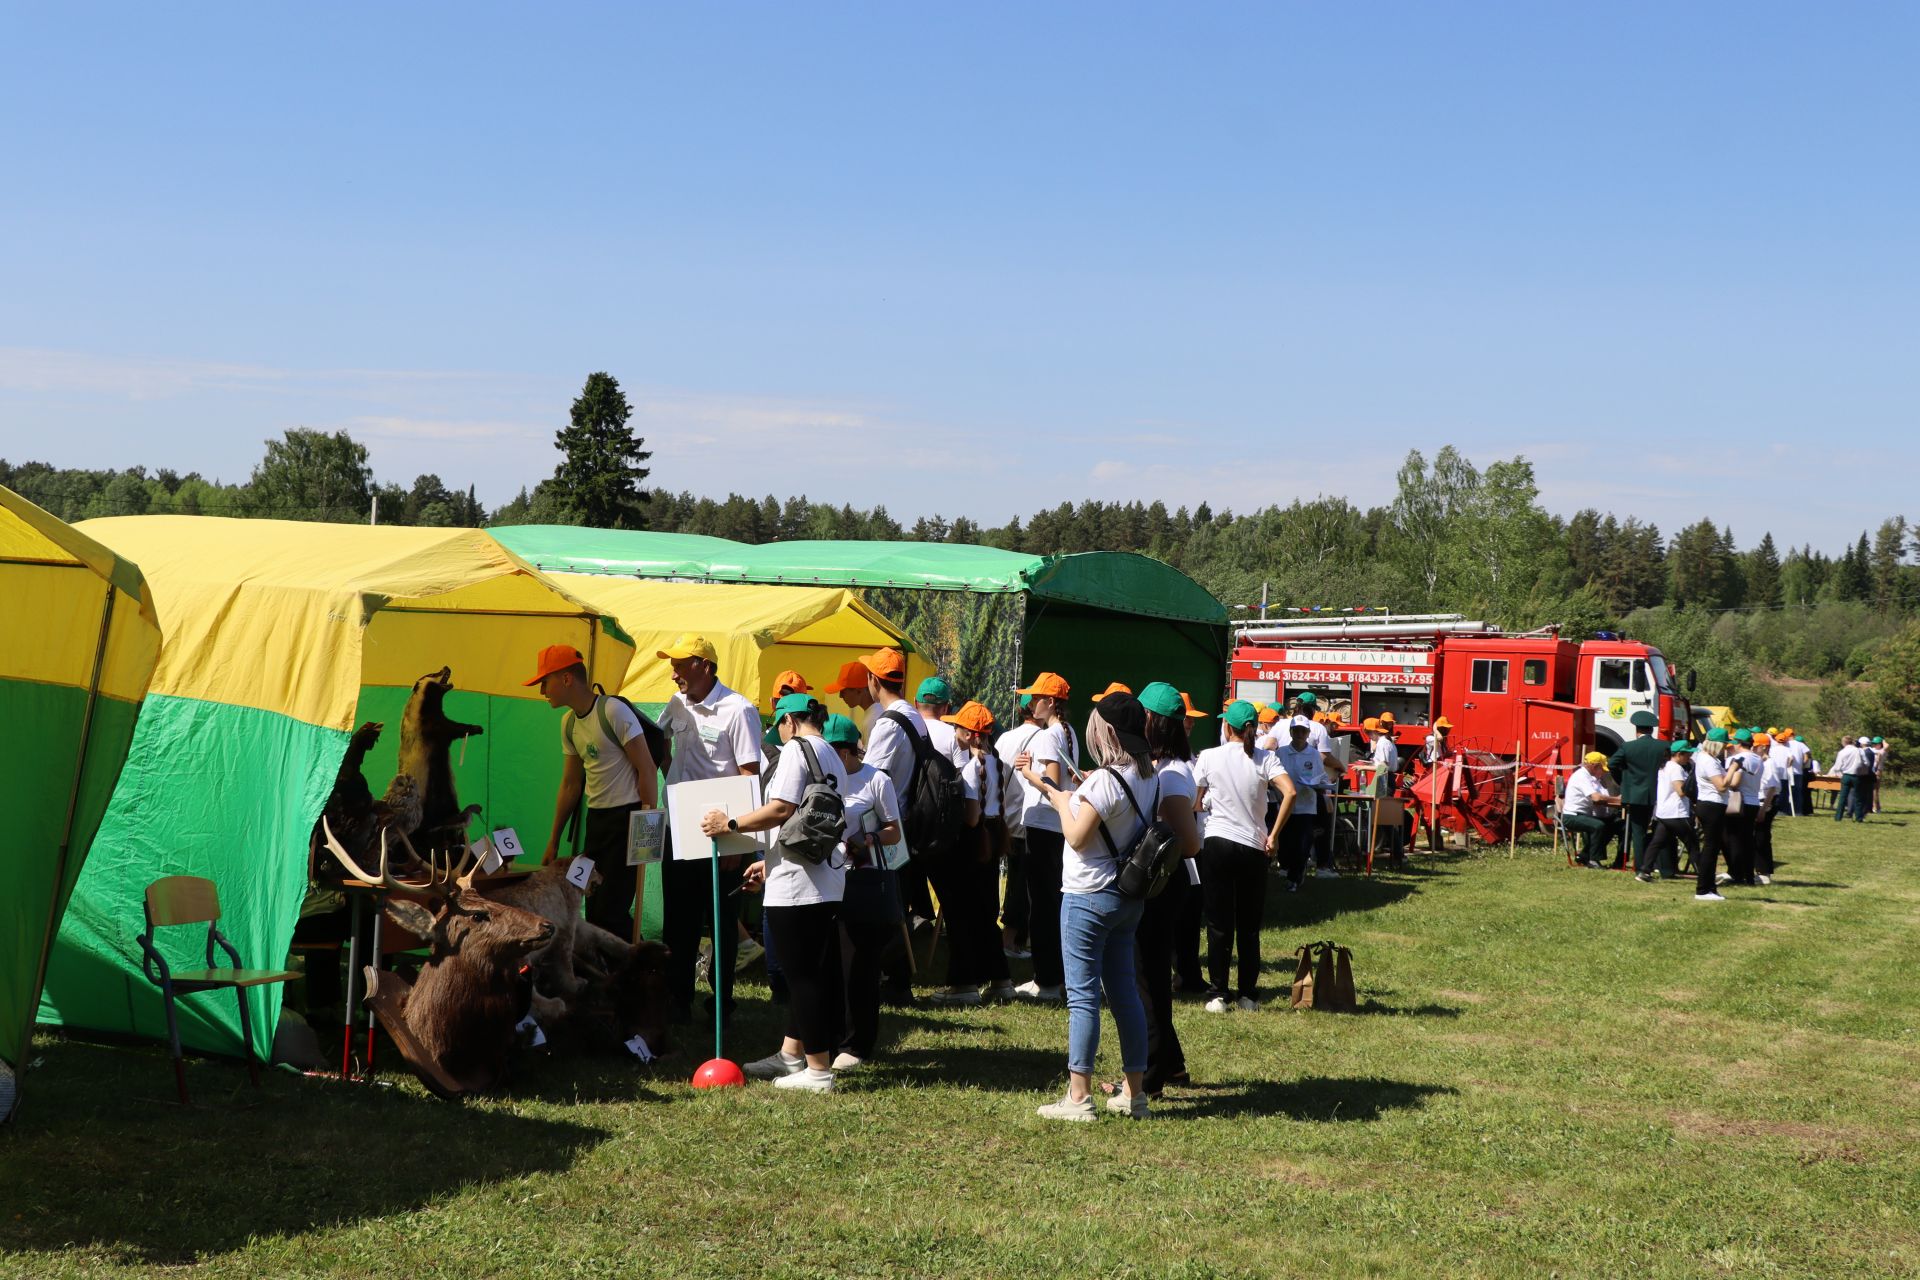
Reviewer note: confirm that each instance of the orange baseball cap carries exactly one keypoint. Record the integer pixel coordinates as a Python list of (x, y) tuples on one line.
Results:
[(853, 675), (1047, 685), (1762, 739), (1386, 717), (556, 657), (972, 716), (1193, 712), (1443, 723), (888, 664), (790, 682), (1115, 687), (1267, 714), (1372, 724)]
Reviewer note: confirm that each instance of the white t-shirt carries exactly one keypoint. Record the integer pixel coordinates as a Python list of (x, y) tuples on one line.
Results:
[(1092, 869), (1309, 774), (1753, 778), (1236, 784), (1176, 779), (983, 776), (1666, 804), (1781, 753), (1708, 775), (611, 781), (1043, 745), (1850, 760), (888, 748), (713, 737), (1778, 776), (869, 791), (1582, 787), (1386, 755), (941, 735), (794, 882)]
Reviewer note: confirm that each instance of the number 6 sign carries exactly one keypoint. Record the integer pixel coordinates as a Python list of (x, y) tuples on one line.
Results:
[(507, 841)]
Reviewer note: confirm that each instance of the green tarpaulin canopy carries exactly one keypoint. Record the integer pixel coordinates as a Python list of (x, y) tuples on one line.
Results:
[(989, 618)]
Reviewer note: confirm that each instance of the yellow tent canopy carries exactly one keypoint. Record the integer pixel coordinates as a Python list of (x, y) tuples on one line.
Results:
[(757, 632), (280, 637)]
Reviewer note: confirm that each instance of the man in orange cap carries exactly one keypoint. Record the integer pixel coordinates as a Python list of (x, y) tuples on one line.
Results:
[(603, 756), (1437, 748), (877, 685), (969, 884), (716, 733), (1041, 746)]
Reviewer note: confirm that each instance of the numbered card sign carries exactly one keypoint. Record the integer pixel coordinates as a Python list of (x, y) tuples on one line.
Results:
[(507, 842), (646, 836), (580, 874), (487, 856)]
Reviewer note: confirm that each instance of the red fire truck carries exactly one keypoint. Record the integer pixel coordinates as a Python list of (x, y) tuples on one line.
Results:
[(1533, 698)]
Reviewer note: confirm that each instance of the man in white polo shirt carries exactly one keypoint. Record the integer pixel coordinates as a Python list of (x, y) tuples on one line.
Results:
[(716, 734), (1590, 808)]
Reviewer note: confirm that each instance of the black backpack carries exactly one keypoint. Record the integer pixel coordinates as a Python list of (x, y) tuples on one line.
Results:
[(818, 823), (1147, 863), (934, 809)]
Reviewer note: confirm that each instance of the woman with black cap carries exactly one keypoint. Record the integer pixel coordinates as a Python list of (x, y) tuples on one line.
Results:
[(1097, 923)]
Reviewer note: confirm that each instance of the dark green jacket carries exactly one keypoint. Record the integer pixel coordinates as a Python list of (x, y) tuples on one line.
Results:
[(1636, 767)]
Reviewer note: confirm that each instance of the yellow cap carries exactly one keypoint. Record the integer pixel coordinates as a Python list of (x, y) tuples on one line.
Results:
[(690, 645)]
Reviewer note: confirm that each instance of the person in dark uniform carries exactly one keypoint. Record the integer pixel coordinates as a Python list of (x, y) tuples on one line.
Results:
[(1636, 769)]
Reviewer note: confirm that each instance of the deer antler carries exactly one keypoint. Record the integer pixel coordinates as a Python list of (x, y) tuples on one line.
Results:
[(386, 878)]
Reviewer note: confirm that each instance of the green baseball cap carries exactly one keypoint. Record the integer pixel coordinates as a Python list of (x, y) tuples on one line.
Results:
[(1743, 735), (1026, 699), (1240, 713), (1718, 734), (1163, 699), (1680, 748), (841, 732), (935, 689), (794, 702), (1879, 742), (1306, 699)]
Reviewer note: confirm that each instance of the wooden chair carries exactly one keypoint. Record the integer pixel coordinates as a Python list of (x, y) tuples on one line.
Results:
[(176, 900)]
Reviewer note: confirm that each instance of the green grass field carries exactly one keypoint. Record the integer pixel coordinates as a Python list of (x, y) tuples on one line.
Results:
[(1554, 1072)]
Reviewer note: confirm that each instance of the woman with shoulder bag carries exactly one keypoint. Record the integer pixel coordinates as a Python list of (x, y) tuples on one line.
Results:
[(1233, 780), (870, 911), (802, 902), (1103, 816)]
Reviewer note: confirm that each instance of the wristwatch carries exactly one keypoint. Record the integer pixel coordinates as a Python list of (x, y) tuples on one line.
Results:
[(733, 824)]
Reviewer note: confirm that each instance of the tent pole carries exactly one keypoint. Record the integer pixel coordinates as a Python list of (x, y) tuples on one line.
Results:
[(66, 839)]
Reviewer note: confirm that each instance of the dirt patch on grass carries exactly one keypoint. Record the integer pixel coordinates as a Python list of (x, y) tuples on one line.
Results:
[(1464, 997), (1678, 994), (1294, 1175), (1816, 1143)]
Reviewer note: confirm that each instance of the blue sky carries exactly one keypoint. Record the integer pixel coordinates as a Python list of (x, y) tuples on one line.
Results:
[(1015, 254)]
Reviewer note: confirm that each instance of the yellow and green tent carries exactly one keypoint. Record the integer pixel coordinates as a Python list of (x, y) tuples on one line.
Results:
[(77, 650), (281, 637)]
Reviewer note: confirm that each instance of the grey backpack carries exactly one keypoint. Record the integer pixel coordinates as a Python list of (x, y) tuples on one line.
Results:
[(819, 823)]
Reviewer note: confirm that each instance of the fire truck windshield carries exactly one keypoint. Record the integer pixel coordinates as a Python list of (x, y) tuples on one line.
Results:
[(1662, 678)]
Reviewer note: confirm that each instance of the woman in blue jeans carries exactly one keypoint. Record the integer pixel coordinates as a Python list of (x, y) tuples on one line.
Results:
[(1097, 924)]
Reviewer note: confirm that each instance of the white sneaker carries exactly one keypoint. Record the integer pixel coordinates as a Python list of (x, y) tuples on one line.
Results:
[(748, 953), (774, 1066), (955, 995), (1708, 897), (1034, 991), (1247, 1004), (1068, 1109), (1723, 878), (807, 1081), (1763, 879), (847, 1062), (1131, 1105), (1326, 873), (1217, 1005)]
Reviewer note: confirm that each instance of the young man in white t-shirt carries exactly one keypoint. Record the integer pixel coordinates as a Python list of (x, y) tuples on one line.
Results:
[(715, 733), (969, 882), (1041, 748), (606, 759), (1672, 818)]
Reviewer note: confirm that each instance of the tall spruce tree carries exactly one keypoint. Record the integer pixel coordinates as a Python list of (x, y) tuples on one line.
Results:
[(599, 482)]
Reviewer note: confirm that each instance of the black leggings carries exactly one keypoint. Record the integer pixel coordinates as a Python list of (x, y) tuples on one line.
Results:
[(1713, 841), (968, 892), (870, 930), (808, 938), (1153, 974), (1763, 842), (1668, 835), (1233, 881), (1296, 842), (1740, 844), (1043, 892)]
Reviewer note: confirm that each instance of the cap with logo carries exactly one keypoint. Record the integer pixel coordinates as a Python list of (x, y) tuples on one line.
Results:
[(689, 645)]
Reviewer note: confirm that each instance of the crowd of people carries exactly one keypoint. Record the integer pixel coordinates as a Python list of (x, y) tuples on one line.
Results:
[(1716, 799), (1023, 847), (1020, 844)]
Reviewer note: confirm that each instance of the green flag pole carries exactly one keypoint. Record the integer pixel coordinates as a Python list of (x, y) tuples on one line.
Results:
[(719, 1005)]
